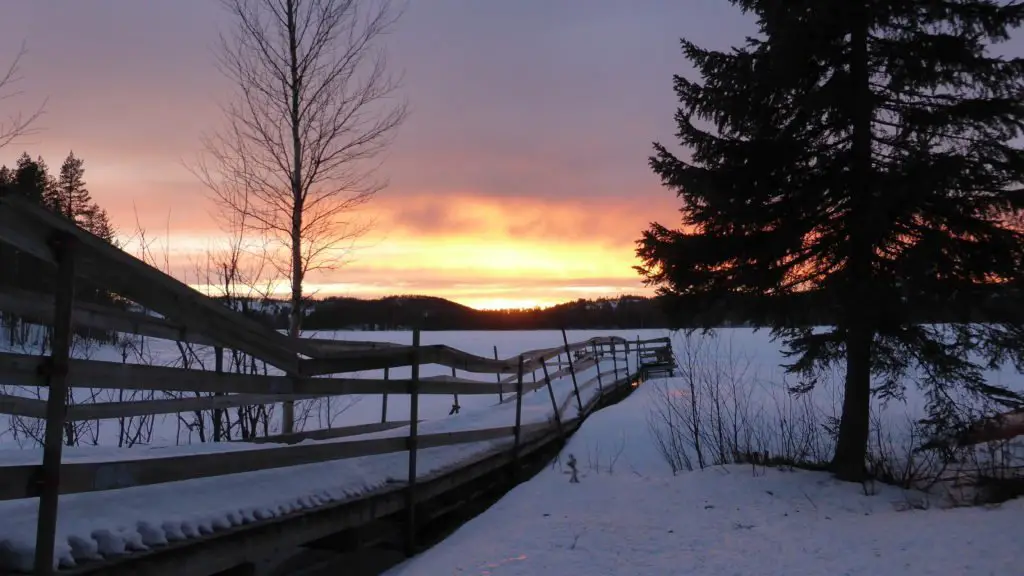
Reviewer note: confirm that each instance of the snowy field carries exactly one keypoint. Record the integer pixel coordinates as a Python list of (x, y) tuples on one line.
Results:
[(112, 522), (629, 515), (137, 518)]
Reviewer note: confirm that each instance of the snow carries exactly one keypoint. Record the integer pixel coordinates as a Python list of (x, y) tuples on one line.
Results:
[(133, 519), (626, 513), (630, 516)]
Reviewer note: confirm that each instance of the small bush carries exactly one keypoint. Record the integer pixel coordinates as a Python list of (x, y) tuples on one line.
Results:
[(713, 413)]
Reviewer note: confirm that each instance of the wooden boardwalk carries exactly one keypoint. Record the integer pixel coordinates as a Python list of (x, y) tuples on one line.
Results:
[(401, 512)]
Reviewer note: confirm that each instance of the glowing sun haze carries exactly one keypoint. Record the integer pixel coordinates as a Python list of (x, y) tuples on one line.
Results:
[(519, 179)]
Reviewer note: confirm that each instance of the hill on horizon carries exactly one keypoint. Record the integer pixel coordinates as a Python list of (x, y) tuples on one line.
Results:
[(435, 313)]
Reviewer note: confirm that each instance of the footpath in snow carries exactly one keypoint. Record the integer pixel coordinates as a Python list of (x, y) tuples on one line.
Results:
[(629, 516)]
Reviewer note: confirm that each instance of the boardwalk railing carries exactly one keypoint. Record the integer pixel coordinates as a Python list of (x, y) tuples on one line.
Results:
[(310, 368)]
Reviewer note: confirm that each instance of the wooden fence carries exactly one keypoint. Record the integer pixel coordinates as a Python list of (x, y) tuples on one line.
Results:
[(49, 480), (310, 369)]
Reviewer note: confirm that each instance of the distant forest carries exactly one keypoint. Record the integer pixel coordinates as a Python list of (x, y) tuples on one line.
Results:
[(431, 313), (628, 312)]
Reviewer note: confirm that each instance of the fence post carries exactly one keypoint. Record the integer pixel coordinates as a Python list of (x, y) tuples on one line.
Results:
[(218, 413), (572, 371), (626, 356), (56, 369), (498, 376), (519, 420), (384, 401), (597, 362), (554, 403), (455, 407), (639, 366), (615, 364), (414, 417)]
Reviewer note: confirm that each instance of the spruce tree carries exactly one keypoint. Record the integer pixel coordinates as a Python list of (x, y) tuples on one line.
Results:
[(859, 156), (32, 179), (70, 197), (96, 221)]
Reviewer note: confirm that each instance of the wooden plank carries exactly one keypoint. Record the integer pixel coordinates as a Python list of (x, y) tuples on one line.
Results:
[(434, 354), (398, 356), (28, 228), (329, 433), (64, 248), (33, 408), (20, 406), (31, 307), (326, 347), (357, 361), (97, 476), (23, 370), (79, 477), (465, 437), (36, 308), (107, 410)]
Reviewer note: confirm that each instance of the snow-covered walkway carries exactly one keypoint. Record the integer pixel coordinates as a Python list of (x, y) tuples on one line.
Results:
[(629, 516), (96, 524)]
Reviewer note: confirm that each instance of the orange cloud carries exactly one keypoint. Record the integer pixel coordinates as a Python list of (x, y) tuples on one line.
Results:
[(608, 220), (483, 251)]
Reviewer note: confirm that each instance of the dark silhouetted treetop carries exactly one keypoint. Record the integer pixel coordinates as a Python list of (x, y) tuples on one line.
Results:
[(864, 152)]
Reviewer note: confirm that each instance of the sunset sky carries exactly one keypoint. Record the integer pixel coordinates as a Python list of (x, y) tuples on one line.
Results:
[(519, 178)]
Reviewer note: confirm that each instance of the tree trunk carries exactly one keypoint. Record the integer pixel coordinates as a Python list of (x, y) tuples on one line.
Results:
[(295, 320), (854, 426)]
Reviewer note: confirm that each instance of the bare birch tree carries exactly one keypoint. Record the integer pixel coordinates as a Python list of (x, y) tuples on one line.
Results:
[(316, 106)]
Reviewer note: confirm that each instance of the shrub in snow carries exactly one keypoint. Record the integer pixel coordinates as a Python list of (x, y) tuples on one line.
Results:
[(720, 411)]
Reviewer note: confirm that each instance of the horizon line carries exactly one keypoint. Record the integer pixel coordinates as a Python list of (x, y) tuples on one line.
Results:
[(481, 308)]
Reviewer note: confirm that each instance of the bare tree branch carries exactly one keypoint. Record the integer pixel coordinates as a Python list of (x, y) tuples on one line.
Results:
[(315, 107), (18, 124)]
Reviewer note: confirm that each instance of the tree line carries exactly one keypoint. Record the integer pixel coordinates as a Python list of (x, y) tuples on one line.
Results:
[(65, 194), (429, 313), (624, 313)]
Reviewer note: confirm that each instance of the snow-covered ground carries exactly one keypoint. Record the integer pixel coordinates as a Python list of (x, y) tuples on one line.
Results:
[(115, 521), (629, 515)]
